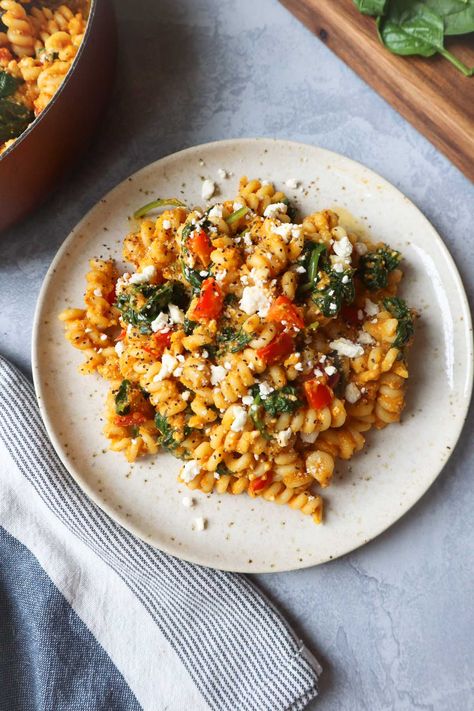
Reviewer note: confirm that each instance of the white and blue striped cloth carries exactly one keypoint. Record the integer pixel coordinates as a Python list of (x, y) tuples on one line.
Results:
[(94, 619)]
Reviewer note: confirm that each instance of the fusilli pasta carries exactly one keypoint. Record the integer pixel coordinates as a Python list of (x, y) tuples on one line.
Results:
[(256, 349)]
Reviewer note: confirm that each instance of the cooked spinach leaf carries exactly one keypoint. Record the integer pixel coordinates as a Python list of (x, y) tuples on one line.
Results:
[(193, 277), (166, 439), (312, 253), (255, 412), (189, 326), (235, 216), (159, 202), (14, 119), (156, 298), (374, 267), (8, 84), (398, 309), (291, 209), (283, 400), (329, 296), (122, 398), (234, 340)]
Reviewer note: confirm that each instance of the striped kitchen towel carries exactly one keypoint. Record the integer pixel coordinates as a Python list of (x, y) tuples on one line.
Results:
[(94, 619)]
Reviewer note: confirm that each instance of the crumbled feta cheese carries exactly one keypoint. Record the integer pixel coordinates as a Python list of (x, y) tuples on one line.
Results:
[(204, 273), (370, 308), (187, 502), (300, 269), (103, 337), (222, 173), (330, 370), (284, 437), (121, 283), (97, 292), (186, 394), (180, 358), (177, 372), (299, 366), (338, 266), (240, 419), (166, 224), (365, 338), (345, 279), (88, 330), (237, 205), (205, 354), (220, 276), (360, 314), (343, 248), (190, 470), (227, 365), (346, 348), (168, 364), (265, 390), (318, 372), (215, 211), (218, 373), (360, 248), (247, 400), (119, 348), (160, 323), (247, 239), (309, 438), (287, 230), (176, 315), (274, 209), (352, 393), (208, 189), (145, 275), (199, 523), (255, 300), (292, 183)]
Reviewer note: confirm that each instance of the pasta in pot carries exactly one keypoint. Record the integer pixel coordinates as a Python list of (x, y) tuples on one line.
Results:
[(256, 349), (37, 47)]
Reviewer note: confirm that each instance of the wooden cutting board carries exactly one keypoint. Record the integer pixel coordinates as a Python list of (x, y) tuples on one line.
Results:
[(432, 94)]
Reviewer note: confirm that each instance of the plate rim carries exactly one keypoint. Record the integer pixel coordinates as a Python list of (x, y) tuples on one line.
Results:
[(73, 469)]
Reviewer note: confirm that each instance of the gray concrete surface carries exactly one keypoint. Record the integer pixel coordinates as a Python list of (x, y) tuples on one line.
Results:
[(393, 623)]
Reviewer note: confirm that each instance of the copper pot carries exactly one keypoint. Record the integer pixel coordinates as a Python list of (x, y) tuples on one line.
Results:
[(32, 166)]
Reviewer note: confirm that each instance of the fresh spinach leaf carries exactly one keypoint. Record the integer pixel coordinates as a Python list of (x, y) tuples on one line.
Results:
[(398, 309), (374, 267), (371, 7), (413, 28), (458, 15), (8, 84), (14, 119), (122, 398)]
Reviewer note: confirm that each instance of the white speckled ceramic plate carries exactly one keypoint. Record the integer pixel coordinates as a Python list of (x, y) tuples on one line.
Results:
[(369, 493)]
